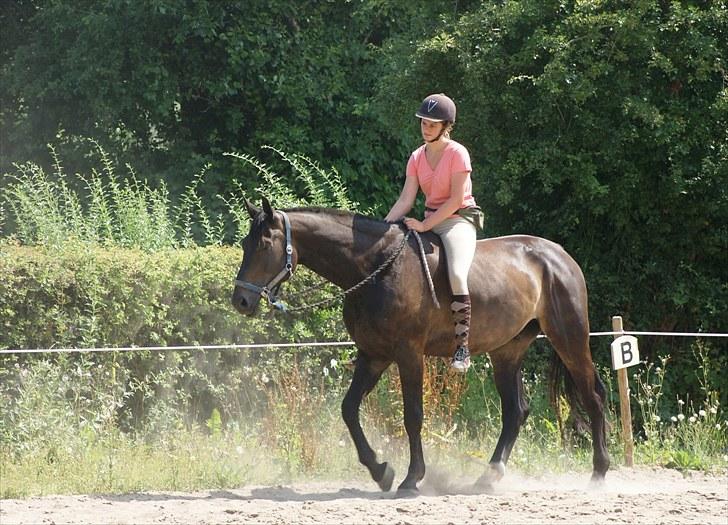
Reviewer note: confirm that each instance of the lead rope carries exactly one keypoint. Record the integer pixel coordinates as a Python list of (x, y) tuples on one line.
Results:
[(371, 276)]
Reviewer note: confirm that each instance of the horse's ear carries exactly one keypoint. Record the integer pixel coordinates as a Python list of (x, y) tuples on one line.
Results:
[(268, 209), (252, 210)]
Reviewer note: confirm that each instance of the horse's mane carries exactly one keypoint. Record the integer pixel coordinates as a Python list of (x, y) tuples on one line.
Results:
[(335, 212), (322, 210)]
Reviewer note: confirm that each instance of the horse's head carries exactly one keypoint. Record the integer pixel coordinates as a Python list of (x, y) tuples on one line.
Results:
[(268, 258)]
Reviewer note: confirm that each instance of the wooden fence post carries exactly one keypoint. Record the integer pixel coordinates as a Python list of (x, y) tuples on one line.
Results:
[(624, 408)]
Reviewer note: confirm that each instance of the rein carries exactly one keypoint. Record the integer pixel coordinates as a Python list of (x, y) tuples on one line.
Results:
[(270, 290)]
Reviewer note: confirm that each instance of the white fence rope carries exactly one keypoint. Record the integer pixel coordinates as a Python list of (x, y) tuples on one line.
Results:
[(666, 334), (172, 348), (291, 345)]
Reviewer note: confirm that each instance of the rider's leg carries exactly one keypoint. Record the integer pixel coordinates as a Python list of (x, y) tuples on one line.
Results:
[(458, 238)]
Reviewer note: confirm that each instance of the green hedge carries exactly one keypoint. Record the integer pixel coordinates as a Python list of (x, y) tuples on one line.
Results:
[(83, 296)]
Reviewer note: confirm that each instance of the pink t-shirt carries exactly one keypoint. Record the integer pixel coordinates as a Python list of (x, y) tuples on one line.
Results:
[(435, 184)]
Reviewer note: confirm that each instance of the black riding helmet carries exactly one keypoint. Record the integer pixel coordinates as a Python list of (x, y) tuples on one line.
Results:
[(438, 108)]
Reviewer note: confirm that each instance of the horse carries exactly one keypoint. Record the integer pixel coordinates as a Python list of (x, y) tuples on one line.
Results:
[(520, 286)]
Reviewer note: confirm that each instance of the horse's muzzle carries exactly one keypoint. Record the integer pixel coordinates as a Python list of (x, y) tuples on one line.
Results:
[(243, 304)]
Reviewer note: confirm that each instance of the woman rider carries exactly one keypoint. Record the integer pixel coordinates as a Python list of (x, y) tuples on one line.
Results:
[(441, 168)]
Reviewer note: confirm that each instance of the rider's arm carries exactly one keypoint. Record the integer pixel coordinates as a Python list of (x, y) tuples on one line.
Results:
[(406, 200)]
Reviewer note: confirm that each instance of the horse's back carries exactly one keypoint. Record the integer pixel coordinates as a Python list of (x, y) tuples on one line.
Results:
[(512, 261), (510, 249), (525, 262)]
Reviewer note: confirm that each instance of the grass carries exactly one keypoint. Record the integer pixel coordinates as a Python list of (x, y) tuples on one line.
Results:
[(694, 436), (53, 442), (118, 464), (193, 459)]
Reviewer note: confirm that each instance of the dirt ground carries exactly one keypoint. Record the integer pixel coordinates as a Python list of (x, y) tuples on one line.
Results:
[(630, 496)]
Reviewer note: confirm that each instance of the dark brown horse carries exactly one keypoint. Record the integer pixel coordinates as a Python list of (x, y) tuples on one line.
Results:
[(519, 285)]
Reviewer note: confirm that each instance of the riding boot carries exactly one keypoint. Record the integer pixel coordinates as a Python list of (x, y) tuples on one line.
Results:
[(460, 308)]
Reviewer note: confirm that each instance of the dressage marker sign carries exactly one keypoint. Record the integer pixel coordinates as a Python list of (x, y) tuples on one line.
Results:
[(625, 353)]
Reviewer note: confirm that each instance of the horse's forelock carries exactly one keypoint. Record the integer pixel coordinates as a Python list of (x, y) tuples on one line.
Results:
[(256, 226)]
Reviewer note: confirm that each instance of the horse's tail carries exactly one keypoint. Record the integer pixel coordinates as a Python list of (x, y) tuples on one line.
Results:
[(561, 386)]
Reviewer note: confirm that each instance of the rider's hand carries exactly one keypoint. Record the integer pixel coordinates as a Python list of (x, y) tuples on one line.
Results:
[(414, 224)]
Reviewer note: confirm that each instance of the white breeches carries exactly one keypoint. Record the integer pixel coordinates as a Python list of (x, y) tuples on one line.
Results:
[(458, 237)]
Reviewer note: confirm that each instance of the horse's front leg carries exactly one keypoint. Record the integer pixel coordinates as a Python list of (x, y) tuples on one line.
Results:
[(366, 375), (410, 374)]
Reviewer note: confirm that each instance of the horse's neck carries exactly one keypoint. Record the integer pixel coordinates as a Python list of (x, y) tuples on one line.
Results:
[(334, 248)]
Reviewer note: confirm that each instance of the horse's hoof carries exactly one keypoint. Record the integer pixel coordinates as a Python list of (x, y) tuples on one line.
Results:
[(494, 474), (597, 482), (407, 492), (482, 487), (385, 483)]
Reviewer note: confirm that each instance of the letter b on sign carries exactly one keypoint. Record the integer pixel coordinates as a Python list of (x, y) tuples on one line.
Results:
[(625, 352)]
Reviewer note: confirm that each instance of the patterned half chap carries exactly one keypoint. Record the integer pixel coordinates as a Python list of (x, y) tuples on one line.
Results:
[(460, 308)]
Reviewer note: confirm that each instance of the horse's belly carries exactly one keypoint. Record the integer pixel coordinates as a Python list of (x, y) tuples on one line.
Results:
[(390, 327)]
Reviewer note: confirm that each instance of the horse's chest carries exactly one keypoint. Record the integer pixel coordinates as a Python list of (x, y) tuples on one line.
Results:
[(385, 318), (369, 313)]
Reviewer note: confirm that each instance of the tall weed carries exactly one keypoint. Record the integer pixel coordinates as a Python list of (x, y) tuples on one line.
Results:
[(191, 212), (693, 437), (319, 187), (104, 208), (107, 211)]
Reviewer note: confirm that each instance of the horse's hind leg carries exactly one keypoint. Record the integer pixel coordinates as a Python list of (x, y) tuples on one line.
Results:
[(592, 395), (366, 375), (507, 361), (572, 346)]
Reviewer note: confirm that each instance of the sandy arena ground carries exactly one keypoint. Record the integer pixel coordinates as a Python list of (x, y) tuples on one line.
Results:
[(639, 496)]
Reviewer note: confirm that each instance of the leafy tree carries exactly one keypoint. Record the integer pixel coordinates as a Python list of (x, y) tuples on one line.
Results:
[(176, 83), (600, 125)]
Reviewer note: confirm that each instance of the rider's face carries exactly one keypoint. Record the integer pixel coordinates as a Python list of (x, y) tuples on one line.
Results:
[(430, 129)]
